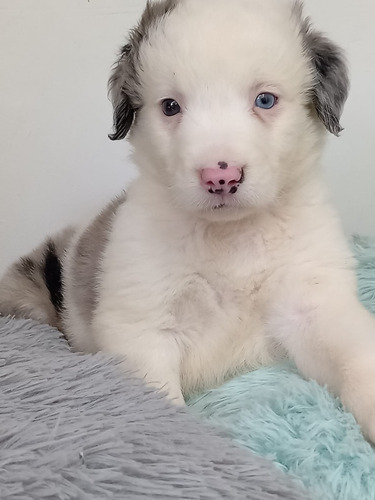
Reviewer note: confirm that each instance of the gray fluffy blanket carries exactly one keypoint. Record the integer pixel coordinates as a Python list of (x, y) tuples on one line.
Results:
[(73, 427)]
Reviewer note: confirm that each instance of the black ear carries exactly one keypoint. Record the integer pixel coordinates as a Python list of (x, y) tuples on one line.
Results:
[(331, 80), (123, 94), (123, 115)]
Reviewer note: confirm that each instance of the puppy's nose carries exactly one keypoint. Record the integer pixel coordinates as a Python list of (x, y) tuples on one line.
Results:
[(218, 180)]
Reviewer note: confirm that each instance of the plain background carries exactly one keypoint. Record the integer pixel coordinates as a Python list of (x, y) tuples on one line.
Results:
[(57, 165)]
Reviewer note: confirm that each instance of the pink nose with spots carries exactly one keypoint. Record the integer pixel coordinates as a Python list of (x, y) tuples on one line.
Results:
[(223, 179)]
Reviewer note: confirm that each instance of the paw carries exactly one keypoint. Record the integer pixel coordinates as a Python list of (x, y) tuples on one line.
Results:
[(170, 390), (173, 395), (176, 399)]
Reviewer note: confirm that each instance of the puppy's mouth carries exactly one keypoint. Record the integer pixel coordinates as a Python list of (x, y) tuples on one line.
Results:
[(219, 201), (222, 201)]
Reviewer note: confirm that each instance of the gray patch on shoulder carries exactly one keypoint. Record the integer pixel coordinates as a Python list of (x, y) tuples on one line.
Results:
[(85, 269), (124, 86), (28, 268), (331, 86), (24, 290)]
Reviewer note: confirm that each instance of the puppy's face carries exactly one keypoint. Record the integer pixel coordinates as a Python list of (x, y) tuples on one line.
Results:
[(225, 115)]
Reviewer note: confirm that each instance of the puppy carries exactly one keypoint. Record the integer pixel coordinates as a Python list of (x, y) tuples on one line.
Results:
[(226, 254)]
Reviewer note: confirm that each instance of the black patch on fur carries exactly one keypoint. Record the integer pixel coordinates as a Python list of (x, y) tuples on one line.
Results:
[(124, 82), (233, 189), (52, 276), (223, 165)]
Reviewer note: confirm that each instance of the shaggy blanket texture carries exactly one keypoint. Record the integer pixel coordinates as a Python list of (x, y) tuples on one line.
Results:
[(73, 427), (298, 424)]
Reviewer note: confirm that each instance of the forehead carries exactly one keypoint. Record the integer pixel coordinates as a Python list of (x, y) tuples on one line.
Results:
[(243, 42)]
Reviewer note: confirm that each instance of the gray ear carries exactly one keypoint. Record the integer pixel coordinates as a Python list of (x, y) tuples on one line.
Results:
[(124, 84), (123, 93), (331, 86)]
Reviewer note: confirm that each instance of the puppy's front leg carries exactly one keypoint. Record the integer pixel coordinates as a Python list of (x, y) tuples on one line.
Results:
[(331, 338), (151, 355)]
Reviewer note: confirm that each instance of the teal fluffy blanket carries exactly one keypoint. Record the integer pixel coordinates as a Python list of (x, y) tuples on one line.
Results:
[(298, 424)]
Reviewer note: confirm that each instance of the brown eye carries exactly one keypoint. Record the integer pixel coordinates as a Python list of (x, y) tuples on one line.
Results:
[(170, 107)]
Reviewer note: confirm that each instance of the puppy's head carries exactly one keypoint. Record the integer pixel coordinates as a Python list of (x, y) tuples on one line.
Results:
[(226, 102)]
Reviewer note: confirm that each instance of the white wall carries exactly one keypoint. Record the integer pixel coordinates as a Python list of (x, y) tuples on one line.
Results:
[(57, 165), (350, 160)]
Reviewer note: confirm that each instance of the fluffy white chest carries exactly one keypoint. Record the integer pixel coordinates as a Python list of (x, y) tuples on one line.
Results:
[(206, 289), (219, 312)]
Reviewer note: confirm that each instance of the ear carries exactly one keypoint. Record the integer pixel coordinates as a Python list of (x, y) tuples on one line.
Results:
[(331, 80), (124, 85), (122, 91)]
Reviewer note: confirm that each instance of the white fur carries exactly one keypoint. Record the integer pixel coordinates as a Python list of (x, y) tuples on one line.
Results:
[(191, 295)]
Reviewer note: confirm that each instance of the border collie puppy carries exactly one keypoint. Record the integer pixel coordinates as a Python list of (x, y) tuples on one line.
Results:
[(226, 254)]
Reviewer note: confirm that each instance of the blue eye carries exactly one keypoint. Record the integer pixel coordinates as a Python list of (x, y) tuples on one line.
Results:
[(170, 107), (265, 101)]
